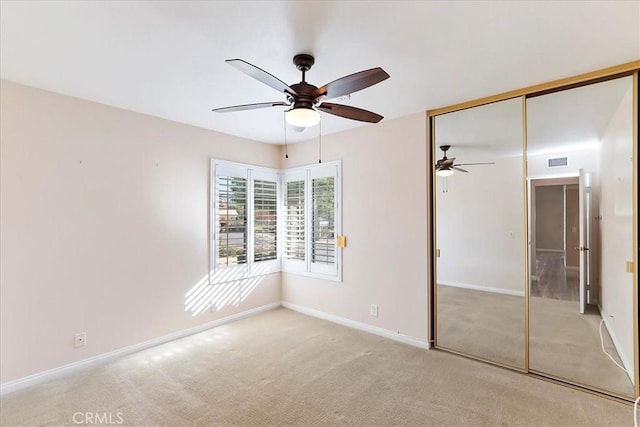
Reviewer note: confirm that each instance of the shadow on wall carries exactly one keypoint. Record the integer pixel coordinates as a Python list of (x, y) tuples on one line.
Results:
[(227, 286)]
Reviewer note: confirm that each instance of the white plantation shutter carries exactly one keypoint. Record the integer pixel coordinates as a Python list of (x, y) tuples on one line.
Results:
[(324, 222), (265, 214), (231, 217), (264, 220), (294, 230), (244, 220)]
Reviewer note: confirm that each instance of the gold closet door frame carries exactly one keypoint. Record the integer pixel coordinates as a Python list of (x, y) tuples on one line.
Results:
[(605, 74)]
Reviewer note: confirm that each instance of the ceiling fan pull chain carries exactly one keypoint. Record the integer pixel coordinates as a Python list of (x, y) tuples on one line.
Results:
[(320, 145), (284, 122)]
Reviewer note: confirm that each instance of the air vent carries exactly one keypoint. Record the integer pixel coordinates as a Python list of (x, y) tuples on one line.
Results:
[(557, 162)]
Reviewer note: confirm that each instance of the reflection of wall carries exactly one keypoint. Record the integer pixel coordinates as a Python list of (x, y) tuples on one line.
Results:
[(537, 165), (550, 218), (616, 228), (480, 226), (104, 227), (573, 232)]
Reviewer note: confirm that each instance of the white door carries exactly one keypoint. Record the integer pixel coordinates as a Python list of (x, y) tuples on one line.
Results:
[(584, 202)]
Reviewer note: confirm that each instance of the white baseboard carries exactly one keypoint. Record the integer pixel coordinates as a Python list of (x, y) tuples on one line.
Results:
[(626, 362), (482, 288), (560, 251), (406, 339), (570, 268), (21, 383)]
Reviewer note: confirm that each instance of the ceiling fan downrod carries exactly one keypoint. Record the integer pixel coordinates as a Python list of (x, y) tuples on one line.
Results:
[(303, 62)]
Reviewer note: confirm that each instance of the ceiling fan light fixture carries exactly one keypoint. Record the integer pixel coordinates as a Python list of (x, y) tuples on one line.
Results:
[(302, 117), (444, 172)]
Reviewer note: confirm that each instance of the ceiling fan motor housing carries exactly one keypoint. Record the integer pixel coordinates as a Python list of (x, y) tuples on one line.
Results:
[(304, 98), (304, 90)]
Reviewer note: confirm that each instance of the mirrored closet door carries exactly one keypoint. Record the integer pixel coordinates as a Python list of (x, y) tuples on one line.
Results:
[(480, 232), (535, 225), (580, 178)]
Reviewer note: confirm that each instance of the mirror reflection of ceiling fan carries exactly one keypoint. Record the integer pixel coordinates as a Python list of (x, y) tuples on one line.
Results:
[(305, 99), (445, 166)]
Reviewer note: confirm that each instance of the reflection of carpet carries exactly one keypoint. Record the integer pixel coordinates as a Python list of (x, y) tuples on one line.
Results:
[(567, 344), (484, 324), (563, 343)]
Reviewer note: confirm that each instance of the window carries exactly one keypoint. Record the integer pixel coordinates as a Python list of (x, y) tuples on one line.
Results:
[(312, 220), (324, 220), (322, 245), (264, 220), (294, 241), (232, 220), (244, 220), (265, 214)]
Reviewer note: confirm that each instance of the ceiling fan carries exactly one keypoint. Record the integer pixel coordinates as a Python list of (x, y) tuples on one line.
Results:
[(445, 166), (306, 99)]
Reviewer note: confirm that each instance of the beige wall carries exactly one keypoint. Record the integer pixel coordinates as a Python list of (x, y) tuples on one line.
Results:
[(384, 219), (104, 227)]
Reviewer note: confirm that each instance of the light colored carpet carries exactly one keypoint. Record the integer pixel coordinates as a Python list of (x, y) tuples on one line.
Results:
[(563, 343), (284, 368)]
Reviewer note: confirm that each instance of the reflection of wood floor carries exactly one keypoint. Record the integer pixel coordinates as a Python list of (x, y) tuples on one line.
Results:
[(554, 280)]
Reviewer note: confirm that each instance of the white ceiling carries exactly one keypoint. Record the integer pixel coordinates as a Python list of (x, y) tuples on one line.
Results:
[(166, 58)]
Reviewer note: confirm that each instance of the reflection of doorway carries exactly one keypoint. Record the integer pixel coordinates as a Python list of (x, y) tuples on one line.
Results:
[(554, 236)]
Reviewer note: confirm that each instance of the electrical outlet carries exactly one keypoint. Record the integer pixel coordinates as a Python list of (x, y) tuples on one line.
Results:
[(374, 310), (80, 340)]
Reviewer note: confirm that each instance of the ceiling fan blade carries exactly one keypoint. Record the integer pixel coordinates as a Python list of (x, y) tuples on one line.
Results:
[(468, 164), (261, 75), (459, 169), (349, 112), (250, 106), (351, 83)]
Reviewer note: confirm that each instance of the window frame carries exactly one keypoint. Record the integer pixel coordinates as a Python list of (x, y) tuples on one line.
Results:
[(272, 175), (289, 265), (321, 170), (227, 273)]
